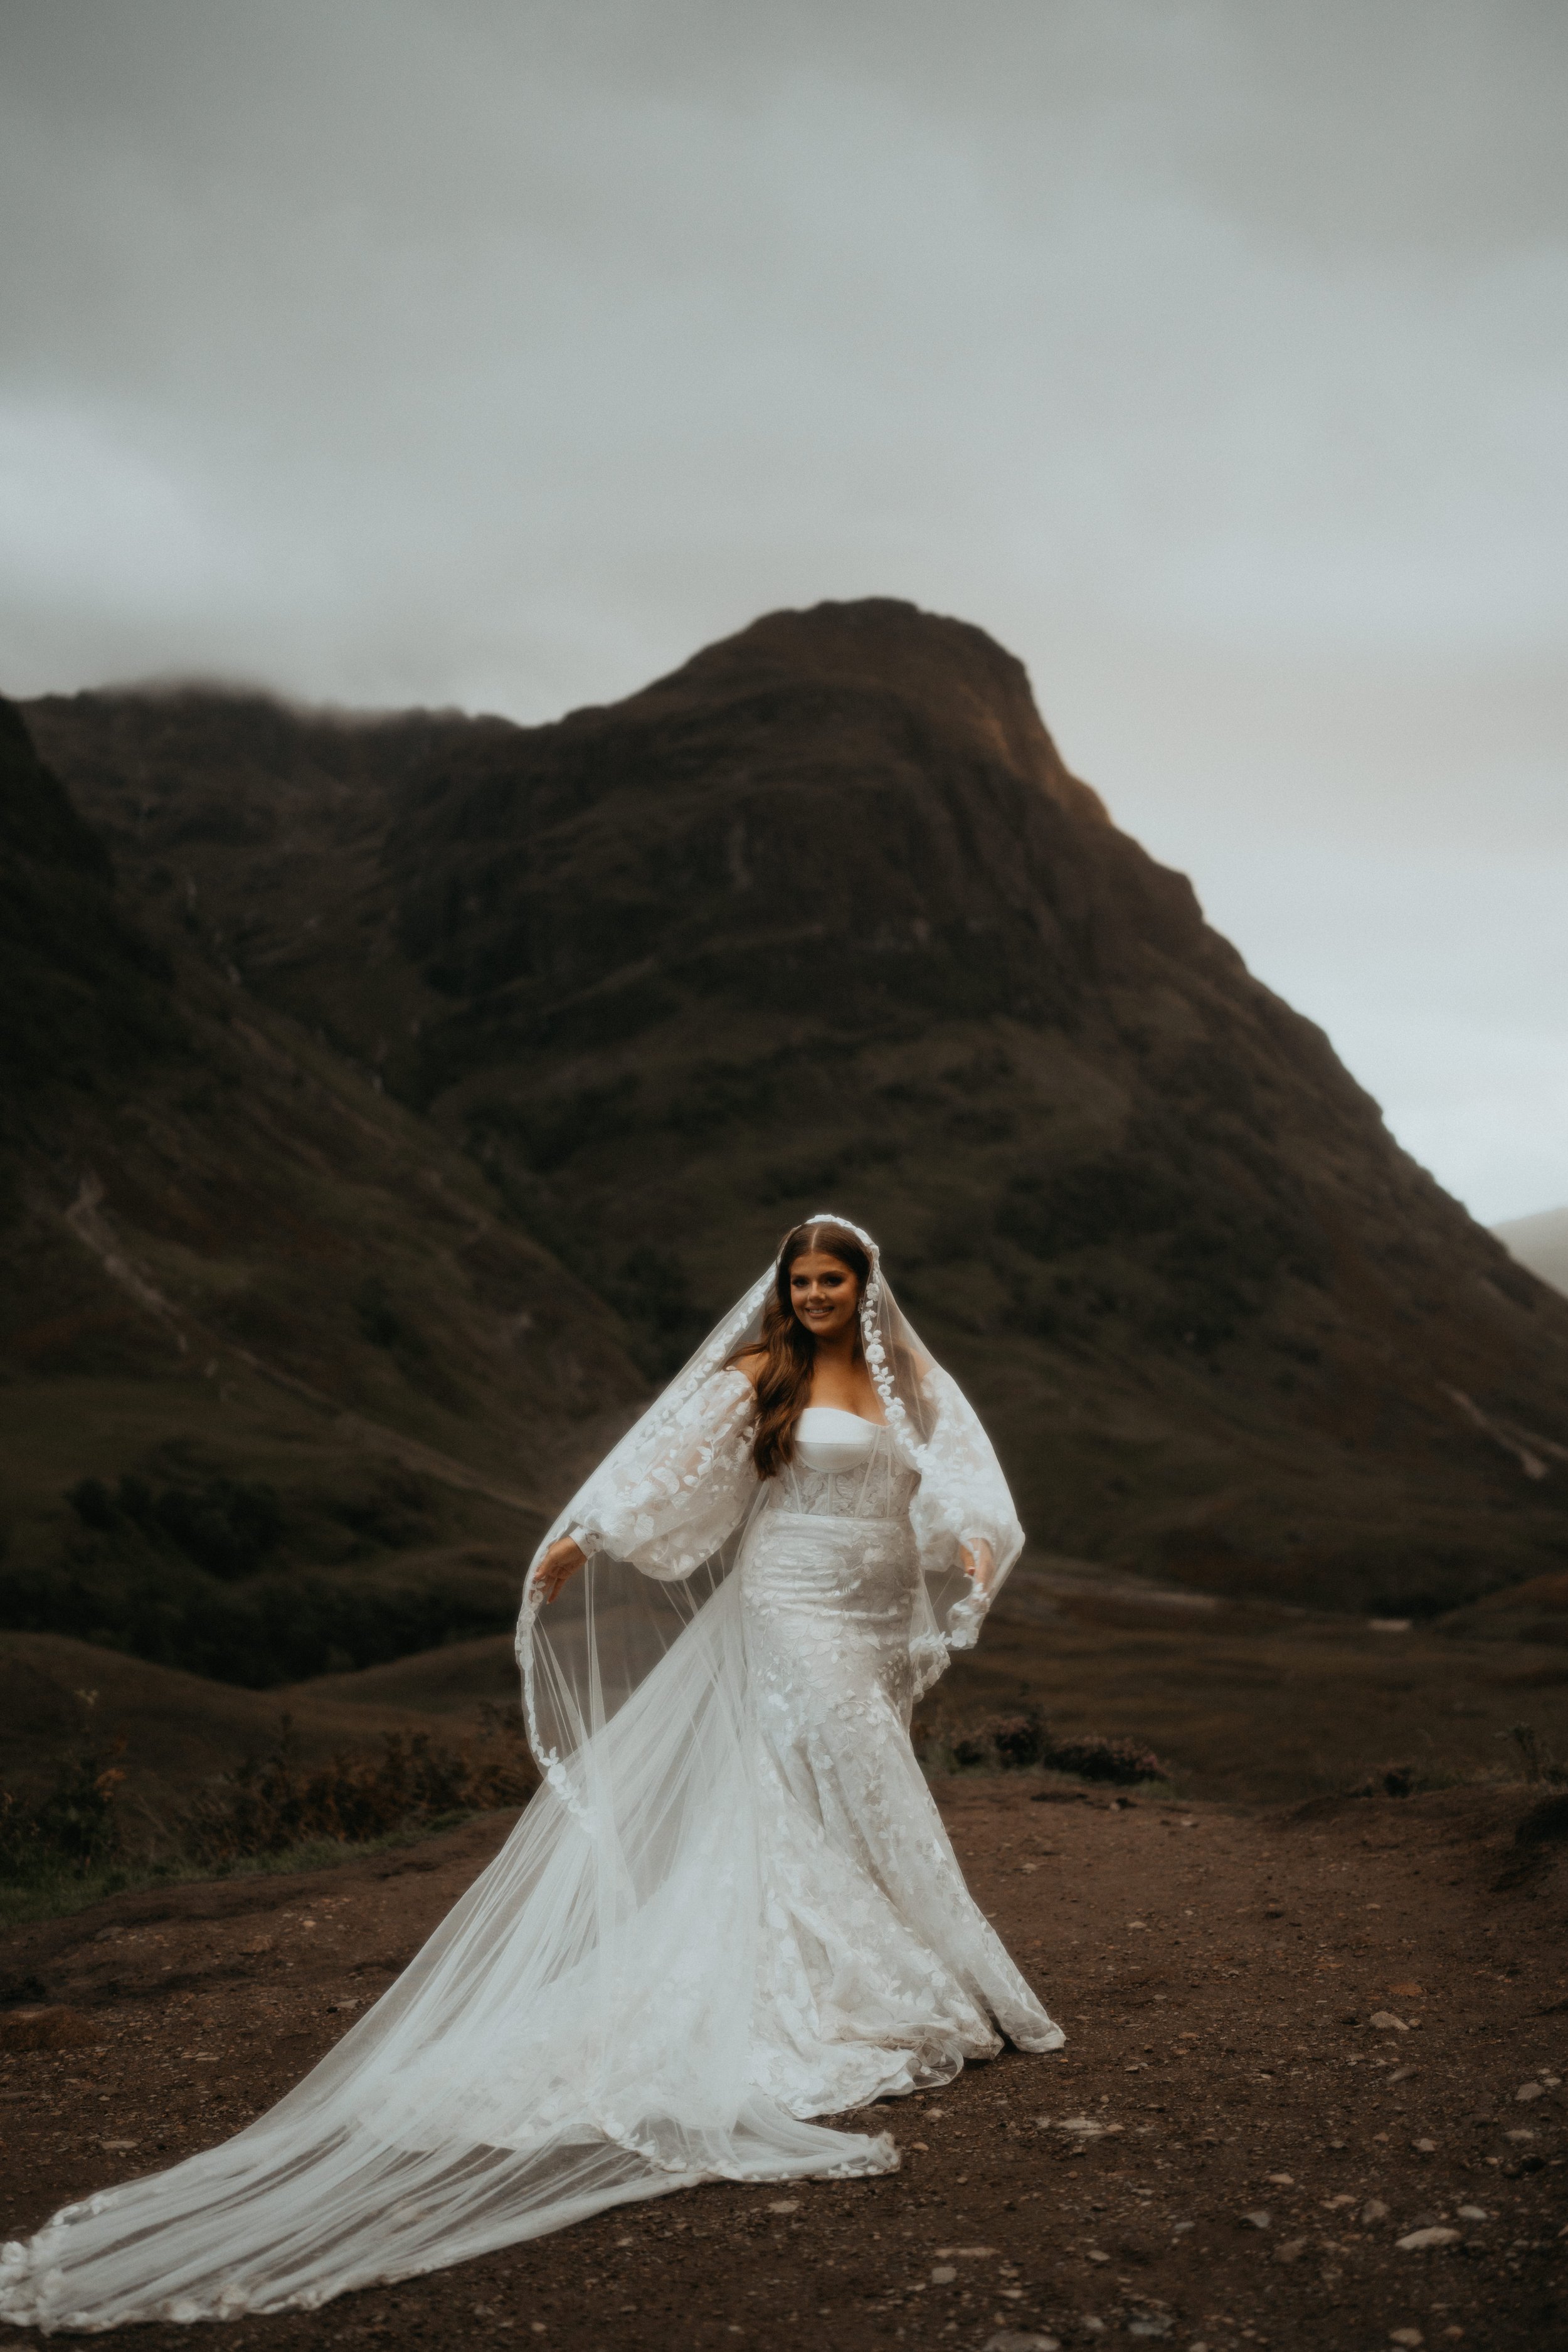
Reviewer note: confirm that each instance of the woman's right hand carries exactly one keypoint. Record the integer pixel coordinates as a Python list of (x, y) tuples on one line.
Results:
[(558, 1567)]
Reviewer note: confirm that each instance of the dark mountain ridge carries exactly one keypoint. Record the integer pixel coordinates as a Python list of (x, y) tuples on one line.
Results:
[(823, 915)]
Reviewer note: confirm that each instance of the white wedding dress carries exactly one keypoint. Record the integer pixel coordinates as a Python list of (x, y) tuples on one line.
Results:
[(877, 1973), (732, 1907)]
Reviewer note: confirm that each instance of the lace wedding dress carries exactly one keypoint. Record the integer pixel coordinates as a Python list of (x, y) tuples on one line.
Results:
[(732, 1909), (877, 1973)]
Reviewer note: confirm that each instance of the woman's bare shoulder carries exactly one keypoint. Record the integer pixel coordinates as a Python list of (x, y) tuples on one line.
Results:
[(752, 1361)]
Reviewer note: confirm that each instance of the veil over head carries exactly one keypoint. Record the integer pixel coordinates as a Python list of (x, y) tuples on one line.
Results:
[(664, 1520)]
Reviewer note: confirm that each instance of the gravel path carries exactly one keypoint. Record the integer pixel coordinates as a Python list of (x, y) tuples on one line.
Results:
[(1313, 2096)]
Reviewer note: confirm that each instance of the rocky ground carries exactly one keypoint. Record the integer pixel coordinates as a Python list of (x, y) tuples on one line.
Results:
[(1313, 2094)]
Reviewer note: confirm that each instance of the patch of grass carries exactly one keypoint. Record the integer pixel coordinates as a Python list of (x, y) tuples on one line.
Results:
[(57, 1892), (1533, 1763), (60, 1892), (1535, 1754)]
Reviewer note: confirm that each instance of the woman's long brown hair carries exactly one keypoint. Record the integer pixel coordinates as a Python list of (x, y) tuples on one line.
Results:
[(784, 1386)]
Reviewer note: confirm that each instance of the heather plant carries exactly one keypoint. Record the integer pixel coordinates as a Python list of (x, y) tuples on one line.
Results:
[(1024, 1741), (272, 1802)]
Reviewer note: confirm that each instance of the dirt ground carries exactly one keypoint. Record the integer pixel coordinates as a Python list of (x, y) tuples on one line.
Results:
[(1298, 2039)]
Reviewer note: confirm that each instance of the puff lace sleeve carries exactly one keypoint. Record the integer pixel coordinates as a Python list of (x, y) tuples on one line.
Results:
[(668, 1495), (961, 1511)]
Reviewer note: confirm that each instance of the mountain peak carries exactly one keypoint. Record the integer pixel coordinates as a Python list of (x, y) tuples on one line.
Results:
[(965, 687)]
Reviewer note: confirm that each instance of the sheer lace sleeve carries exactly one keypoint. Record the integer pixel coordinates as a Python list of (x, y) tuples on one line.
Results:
[(962, 1506), (665, 1500)]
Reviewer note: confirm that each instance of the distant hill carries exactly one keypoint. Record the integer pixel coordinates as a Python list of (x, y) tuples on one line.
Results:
[(822, 917), (1540, 1242)]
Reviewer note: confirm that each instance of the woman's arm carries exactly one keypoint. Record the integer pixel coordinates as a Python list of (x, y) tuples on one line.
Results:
[(963, 1513), (666, 1502)]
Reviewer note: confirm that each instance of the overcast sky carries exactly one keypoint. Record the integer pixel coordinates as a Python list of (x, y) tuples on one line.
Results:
[(1215, 357)]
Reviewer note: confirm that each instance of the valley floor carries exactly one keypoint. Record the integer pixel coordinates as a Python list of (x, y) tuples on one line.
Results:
[(1297, 2039)]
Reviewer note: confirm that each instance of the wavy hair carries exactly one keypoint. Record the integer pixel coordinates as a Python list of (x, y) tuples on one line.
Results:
[(783, 1384)]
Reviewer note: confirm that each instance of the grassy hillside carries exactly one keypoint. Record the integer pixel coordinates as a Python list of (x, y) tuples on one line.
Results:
[(823, 916), (179, 1728), (1244, 1702)]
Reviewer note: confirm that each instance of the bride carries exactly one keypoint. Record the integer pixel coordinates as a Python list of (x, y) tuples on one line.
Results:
[(731, 1907)]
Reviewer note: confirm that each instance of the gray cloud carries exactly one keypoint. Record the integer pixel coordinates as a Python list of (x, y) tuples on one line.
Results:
[(1212, 355)]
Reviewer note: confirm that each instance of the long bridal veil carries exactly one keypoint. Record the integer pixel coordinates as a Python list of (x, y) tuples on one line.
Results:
[(576, 2035)]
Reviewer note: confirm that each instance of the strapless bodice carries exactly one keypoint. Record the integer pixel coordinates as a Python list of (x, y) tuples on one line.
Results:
[(829, 1439), (844, 1467)]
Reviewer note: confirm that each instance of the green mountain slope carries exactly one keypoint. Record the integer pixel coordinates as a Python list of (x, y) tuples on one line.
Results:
[(822, 918)]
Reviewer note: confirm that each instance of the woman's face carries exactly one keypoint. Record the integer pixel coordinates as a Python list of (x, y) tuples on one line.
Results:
[(824, 1292)]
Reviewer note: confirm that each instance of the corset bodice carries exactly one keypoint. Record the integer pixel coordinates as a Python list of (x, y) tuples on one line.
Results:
[(843, 1469)]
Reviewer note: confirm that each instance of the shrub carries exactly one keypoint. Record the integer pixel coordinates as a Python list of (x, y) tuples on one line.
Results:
[(1013, 1743), (272, 1802), (1120, 1760)]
